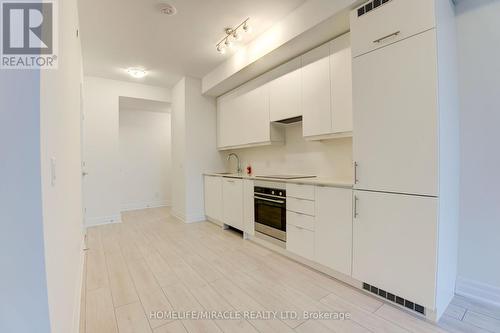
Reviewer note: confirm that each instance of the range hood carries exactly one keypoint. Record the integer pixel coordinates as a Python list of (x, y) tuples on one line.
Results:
[(288, 121)]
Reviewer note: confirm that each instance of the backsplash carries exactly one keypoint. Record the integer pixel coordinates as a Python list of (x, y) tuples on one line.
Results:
[(329, 159)]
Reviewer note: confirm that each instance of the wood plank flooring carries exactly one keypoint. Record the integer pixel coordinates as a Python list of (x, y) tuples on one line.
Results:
[(152, 264)]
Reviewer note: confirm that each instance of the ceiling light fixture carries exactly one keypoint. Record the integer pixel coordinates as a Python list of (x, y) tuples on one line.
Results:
[(232, 34), (136, 72)]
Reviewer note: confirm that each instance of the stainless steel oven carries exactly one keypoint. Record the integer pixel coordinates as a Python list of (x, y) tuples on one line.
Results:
[(270, 209)]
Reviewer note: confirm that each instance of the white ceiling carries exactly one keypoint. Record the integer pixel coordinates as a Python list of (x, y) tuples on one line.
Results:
[(117, 34), (139, 104)]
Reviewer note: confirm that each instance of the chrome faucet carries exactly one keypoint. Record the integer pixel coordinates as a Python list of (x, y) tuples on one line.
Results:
[(239, 170)]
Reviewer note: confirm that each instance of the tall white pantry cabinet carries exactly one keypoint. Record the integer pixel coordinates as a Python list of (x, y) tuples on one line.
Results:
[(406, 151)]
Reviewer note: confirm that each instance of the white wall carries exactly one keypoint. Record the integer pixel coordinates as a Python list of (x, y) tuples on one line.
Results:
[(101, 143), (62, 201), (145, 159), (329, 159), (193, 148), (478, 27)]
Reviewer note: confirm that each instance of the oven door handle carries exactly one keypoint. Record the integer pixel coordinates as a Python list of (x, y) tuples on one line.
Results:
[(270, 200)]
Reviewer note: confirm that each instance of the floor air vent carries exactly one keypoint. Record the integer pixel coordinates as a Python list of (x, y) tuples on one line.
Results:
[(395, 299), (369, 6)]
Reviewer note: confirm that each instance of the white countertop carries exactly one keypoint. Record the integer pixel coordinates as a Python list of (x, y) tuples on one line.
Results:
[(307, 181)]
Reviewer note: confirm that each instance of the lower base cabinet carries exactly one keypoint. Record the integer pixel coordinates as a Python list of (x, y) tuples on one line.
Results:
[(300, 241), (232, 202), (333, 228), (213, 197), (395, 244)]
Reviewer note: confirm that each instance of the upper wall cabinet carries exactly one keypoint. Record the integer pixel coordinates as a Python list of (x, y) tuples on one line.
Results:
[(316, 86), (389, 23), (316, 99), (327, 90), (284, 92), (341, 84), (243, 119)]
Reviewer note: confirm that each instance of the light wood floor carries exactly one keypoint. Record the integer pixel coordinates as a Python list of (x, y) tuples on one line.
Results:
[(153, 262)]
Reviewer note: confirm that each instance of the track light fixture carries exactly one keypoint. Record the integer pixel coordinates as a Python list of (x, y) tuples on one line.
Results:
[(233, 34)]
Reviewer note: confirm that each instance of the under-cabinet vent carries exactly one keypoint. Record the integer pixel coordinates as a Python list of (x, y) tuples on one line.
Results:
[(394, 298), (369, 6)]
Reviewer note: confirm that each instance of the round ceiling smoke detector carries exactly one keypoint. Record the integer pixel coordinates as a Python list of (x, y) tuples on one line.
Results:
[(168, 9)]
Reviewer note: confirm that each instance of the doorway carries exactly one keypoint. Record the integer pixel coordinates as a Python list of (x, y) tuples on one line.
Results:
[(144, 153)]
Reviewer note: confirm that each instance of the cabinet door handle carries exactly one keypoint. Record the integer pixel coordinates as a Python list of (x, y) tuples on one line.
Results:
[(380, 40), (356, 199), (356, 173)]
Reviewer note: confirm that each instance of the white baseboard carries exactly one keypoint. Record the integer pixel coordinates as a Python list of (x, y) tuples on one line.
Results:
[(95, 221), (190, 218), (144, 205), (478, 291)]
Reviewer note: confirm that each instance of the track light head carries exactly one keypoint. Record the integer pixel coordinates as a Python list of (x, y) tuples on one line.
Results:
[(221, 49), (247, 27), (236, 35)]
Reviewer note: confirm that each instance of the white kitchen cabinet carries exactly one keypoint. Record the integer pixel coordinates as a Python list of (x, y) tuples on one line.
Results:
[(243, 118), (213, 198), (285, 92), (391, 22), (300, 241), (406, 151), (341, 84), (302, 206), (248, 207), (333, 228), (316, 99), (395, 120), (232, 202), (327, 90), (395, 244)]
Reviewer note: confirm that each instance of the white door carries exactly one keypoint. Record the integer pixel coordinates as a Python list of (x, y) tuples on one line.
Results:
[(395, 244), (232, 202), (316, 100), (341, 84), (333, 228), (82, 152), (284, 94), (213, 197), (395, 117)]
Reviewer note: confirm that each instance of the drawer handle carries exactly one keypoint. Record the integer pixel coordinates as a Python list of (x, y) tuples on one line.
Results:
[(380, 40), (356, 173), (356, 199), (270, 200), (300, 199)]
